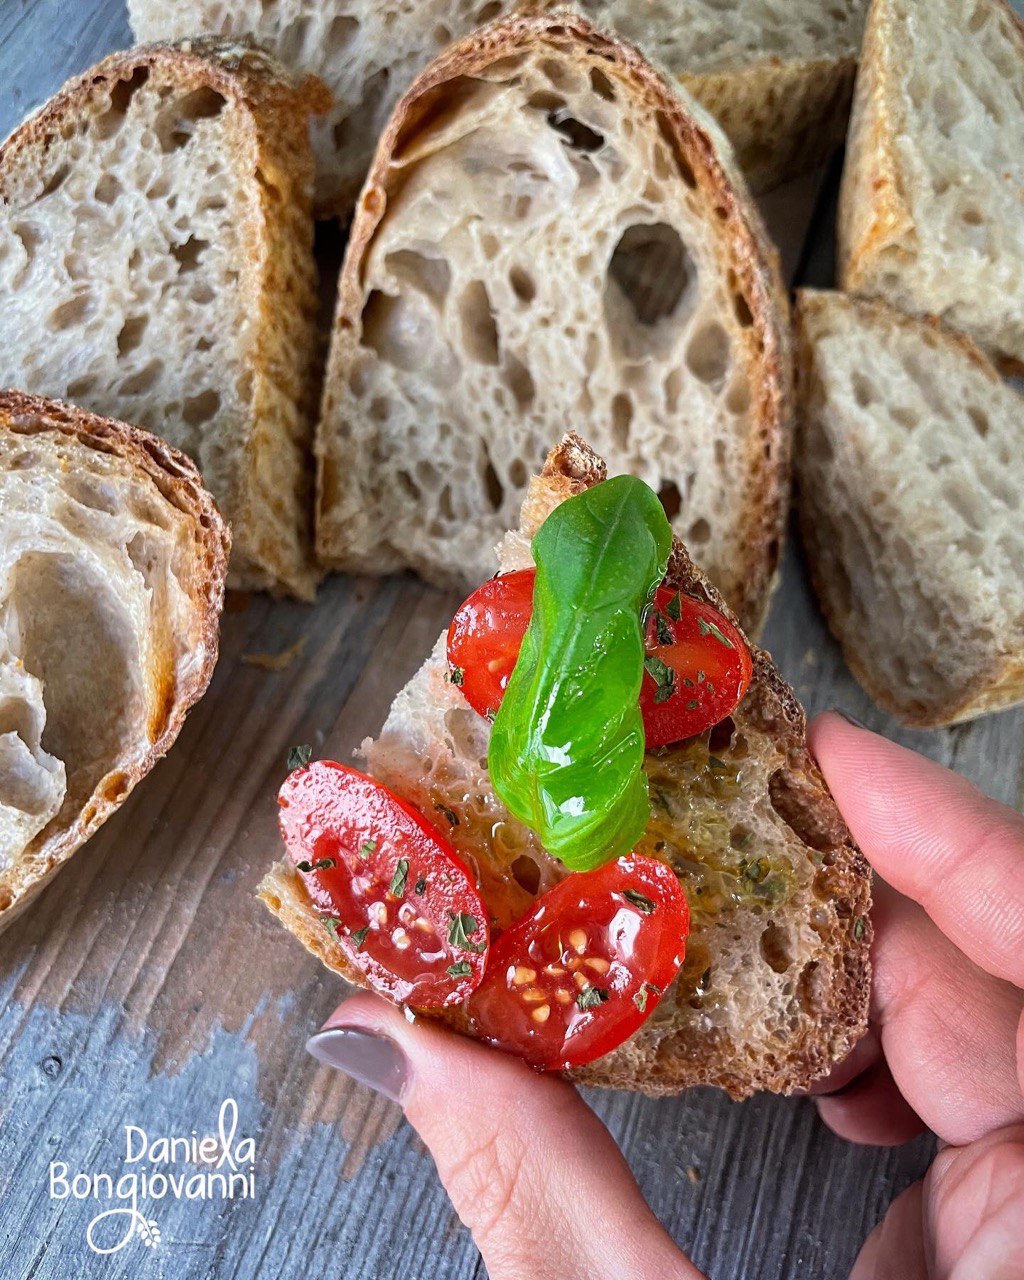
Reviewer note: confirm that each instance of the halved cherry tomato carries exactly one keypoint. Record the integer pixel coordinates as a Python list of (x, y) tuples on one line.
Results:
[(386, 884), (698, 668), (698, 665), (576, 977), (486, 635)]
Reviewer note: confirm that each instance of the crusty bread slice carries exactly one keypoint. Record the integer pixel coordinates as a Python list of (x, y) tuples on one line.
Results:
[(112, 564), (156, 265), (932, 208), (778, 76), (910, 478), (367, 52), (775, 984), (550, 235)]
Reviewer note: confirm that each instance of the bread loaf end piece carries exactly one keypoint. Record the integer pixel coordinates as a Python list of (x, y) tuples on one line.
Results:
[(910, 482), (156, 263)]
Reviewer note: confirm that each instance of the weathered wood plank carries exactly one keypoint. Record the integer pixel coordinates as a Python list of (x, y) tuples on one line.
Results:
[(147, 985)]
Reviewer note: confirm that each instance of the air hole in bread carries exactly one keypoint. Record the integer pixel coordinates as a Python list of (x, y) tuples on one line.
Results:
[(518, 378), (91, 493), (432, 276), (708, 354), (905, 417), (819, 827), (526, 873), (107, 189), (341, 32), (403, 332), (811, 988), (479, 328), (145, 380), (947, 106), (742, 309), (622, 418), (979, 420), (738, 397), (80, 389), (601, 85), (777, 947), (670, 497), (101, 666), (56, 180), (494, 489), (187, 255), (578, 135), (683, 166), (108, 122), (202, 408), (863, 391), (699, 532), (649, 292), (557, 73), (522, 284), (177, 125), (70, 313), (721, 736), (131, 334)]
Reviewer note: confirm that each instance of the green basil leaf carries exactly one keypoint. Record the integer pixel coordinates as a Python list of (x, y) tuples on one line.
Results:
[(567, 748)]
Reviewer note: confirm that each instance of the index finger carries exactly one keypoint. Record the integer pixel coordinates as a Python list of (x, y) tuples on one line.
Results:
[(934, 837)]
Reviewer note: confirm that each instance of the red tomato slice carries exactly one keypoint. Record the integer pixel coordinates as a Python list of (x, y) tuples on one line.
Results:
[(698, 668), (390, 888), (698, 664), (575, 978), (486, 635)]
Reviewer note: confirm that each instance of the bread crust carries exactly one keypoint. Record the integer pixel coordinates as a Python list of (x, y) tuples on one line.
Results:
[(804, 802), (178, 482), (1001, 682), (694, 138), (281, 273)]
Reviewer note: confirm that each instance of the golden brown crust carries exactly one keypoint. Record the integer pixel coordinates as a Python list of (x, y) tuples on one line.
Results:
[(749, 252), (837, 1015), (179, 484), (1001, 684), (273, 136)]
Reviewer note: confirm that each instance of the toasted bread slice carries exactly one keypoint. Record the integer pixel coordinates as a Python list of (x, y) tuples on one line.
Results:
[(910, 477), (550, 234), (112, 564), (775, 984), (778, 78), (930, 214), (156, 265)]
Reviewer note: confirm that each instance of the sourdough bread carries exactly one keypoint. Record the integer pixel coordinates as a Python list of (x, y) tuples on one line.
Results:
[(552, 235), (112, 564), (777, 73), (911, 483), (775, 984), (932, 208), (156, 265)]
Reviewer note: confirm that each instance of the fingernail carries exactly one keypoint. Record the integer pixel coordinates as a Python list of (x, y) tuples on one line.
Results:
[(850, 719), (366, 1056)]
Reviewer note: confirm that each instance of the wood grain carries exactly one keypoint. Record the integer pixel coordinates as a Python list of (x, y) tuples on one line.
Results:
[(147, 984)]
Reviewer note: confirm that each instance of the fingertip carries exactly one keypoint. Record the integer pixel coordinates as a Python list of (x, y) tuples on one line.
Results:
[(871, 1111)]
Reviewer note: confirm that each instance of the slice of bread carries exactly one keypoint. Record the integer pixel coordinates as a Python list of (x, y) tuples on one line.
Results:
[(156, 265), (775, 984), (932, 208), (112, 564), (367, 52), (911, 482), (550, 235), (777, 77)]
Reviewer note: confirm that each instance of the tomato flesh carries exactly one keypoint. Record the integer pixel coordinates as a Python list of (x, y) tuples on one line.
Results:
[(709, 663), (586, 967), (486, 635), (705, 666), (386, 885)]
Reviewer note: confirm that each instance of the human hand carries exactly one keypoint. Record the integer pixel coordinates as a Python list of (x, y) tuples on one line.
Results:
[(946, 1048), (519, 1153)]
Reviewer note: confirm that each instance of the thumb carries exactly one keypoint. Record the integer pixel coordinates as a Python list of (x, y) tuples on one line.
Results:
[(531, 1171)]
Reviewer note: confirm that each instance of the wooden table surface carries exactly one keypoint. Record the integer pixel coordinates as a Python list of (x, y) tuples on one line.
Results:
[(147, 985)]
